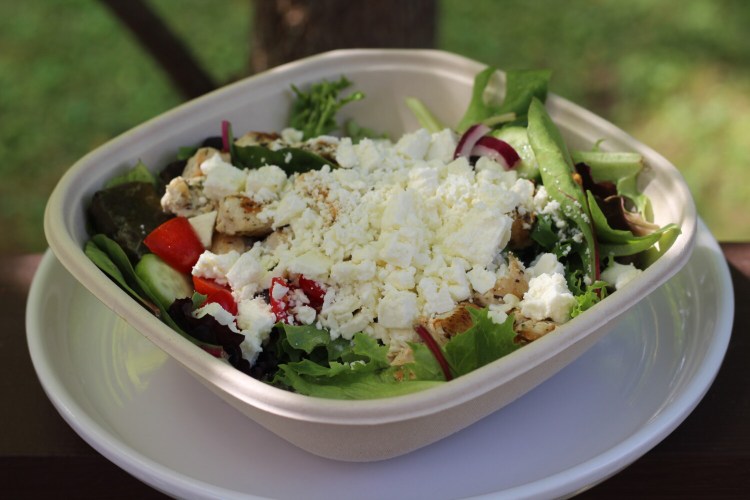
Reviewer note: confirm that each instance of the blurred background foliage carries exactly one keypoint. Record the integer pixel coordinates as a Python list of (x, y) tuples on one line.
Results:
[(673, 73)]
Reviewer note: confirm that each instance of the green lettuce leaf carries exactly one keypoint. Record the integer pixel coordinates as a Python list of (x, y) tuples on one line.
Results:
[(481, 344)]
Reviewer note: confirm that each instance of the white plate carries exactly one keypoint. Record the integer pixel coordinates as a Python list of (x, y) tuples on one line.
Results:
[(144, 412)]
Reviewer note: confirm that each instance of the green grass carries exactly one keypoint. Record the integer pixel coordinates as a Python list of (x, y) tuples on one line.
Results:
[(674, 74)]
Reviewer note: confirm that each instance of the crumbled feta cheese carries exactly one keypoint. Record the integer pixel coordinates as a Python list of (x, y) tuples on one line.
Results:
[(255, 319), (402, 231), (414, 146), (264, 184), (292, 136), (215, 266), (247, 274), (442, 146), (397, 309), (222, 178), (548, 297), (481, 279), (545, 263), (220, 314), (620, 274)]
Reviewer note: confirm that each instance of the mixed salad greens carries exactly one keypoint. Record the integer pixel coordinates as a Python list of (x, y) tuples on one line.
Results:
[(150, 253)]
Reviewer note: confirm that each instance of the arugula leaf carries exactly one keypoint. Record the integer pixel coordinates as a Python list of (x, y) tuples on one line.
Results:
[(521, 87), (314, 111)]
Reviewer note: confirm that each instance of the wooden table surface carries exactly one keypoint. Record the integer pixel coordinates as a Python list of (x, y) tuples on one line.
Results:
[(707, 456)]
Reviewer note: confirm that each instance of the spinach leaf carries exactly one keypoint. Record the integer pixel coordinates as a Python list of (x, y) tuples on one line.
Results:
[(109, 256), (290, 160)]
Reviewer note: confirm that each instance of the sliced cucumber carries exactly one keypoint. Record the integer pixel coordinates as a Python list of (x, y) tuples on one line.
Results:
[(166, 283), (518, 137)]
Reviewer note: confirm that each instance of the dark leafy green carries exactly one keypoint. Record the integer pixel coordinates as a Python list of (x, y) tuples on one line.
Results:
[(620, 243), (621, 168), (127, 213), (108, 256), (290, 160)]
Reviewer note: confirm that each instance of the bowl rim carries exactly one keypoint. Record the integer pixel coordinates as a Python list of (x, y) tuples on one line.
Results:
[(58, 222)]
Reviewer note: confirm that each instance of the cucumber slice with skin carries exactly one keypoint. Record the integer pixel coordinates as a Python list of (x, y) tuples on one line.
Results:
[(166, 283)]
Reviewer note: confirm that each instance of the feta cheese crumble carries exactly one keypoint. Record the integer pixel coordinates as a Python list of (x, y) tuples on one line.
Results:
[(399, 234)]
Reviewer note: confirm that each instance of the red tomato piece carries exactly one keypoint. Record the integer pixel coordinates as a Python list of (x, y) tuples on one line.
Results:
[(314, 292), (279, 302), (207, 287), (215, 292), (176, 243), (224, 299)]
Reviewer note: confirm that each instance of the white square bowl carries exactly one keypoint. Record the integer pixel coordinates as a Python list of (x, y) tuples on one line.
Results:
[(372, 429)]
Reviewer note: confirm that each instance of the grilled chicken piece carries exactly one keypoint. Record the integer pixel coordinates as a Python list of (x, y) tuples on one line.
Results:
[(224, 243), (520, 231), (445, 326), (238, 215), (514, 282), (529, 330), (257, 139), (184, 197), (275, 239)]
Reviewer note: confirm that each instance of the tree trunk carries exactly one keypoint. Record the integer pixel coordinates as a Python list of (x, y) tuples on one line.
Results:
[(285, 30)]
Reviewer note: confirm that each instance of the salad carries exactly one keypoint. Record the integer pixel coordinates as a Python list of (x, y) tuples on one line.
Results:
[(335, 262)]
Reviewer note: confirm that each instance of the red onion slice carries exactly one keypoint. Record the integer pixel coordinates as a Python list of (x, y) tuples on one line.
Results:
[(498, 150), (225, 136), (467, 141)]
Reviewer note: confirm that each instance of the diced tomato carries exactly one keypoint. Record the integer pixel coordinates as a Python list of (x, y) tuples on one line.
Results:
[(314, 291), (207, 287), (215, 292), (279, 302), (224, 299), (176, 243)]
